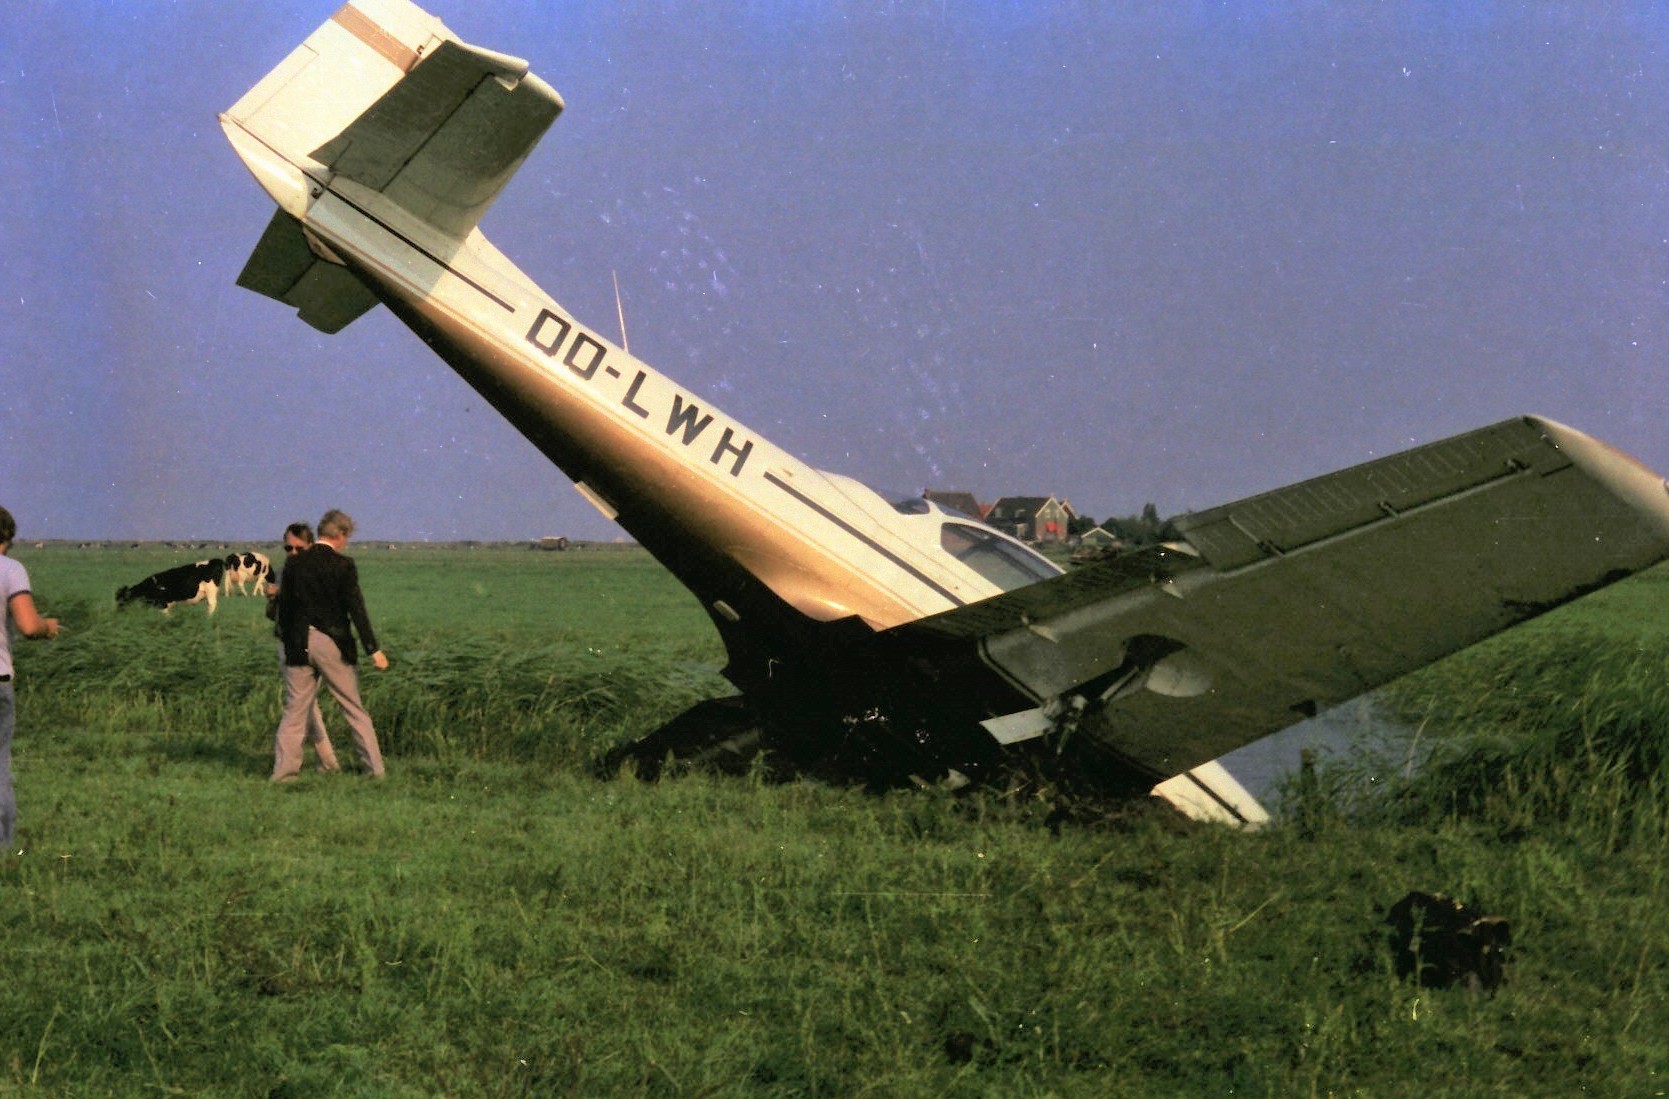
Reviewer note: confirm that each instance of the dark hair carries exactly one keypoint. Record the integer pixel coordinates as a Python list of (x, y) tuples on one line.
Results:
[(8, 526), (301, 531)]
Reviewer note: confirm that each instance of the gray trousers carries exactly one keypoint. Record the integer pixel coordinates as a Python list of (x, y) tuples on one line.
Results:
[(317, 735), (8, 801), (301, 692)]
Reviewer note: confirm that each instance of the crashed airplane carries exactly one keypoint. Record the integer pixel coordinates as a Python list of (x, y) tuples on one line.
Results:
[(883, 639)]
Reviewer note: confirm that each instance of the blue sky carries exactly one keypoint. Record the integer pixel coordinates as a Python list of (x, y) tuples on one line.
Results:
[(1176, 253)]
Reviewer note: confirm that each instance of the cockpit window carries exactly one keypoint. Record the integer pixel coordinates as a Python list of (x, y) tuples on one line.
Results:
[(908, 505), (994, 557)]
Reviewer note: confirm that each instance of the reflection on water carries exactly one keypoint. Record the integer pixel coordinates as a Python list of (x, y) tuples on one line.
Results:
[(1349, 729)]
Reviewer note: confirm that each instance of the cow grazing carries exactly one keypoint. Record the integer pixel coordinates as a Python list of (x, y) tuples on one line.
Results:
[(191, 583), (245, 568)]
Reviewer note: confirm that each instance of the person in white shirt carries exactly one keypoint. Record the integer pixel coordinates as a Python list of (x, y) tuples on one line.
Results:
[(17, 611)]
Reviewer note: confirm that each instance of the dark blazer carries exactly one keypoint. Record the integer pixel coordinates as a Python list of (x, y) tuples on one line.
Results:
[(320, 588)]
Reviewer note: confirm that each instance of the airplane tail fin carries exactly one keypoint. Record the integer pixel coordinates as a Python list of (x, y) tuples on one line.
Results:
[(380, 100)]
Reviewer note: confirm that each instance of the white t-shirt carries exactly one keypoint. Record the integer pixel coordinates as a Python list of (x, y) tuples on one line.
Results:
[(14, 580)]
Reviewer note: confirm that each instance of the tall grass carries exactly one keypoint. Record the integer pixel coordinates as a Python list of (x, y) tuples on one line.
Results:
[(493, 922), (1558, 726), (514, 667)]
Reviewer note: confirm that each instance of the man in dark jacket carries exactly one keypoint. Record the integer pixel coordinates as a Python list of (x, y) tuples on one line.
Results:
[(320, 608)]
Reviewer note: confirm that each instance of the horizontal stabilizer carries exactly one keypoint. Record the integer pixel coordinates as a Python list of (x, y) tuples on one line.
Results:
[(444, 141), (285, 266), (385, 96)]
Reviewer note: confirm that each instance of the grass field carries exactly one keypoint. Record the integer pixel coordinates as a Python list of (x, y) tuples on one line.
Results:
[(493, 920)]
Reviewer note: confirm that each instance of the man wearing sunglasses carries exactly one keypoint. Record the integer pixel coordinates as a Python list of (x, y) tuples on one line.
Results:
[(320, 609), (297, 537)]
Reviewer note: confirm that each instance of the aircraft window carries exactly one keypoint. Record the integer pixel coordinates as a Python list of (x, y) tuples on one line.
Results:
[(994, 557), (903, 503)]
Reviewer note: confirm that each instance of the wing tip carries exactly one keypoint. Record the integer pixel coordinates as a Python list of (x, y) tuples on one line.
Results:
[(1617, 470)]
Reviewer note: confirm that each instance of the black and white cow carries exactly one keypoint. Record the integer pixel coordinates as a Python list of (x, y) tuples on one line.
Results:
[(191, 583), (244, 568)]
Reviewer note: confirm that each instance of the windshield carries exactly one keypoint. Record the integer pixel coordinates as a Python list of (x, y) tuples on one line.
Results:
[(994, 557), (905, 503)]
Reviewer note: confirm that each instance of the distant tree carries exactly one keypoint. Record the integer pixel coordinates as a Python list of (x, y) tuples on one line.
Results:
[(1146, 529)]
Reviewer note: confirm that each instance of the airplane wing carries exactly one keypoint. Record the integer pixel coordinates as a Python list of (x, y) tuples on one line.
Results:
[(1283, 604)]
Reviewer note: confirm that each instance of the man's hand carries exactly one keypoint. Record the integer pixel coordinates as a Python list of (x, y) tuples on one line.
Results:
[(379, 660)]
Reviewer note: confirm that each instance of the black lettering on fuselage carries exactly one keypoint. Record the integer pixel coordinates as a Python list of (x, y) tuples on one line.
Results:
[(726, 446), (684, 416), (535, 334), (630, 401), (597, 352), (584, 357)]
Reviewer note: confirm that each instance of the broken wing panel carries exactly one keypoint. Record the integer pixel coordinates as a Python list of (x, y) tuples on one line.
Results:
[(1307, 596)]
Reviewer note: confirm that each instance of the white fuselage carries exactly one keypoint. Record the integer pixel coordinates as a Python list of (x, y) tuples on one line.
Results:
[(640, 447)]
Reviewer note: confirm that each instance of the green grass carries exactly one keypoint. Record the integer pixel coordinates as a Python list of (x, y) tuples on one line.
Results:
[(492, 921)]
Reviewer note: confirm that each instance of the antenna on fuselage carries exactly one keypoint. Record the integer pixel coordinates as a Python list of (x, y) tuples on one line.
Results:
[(625, 345)]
